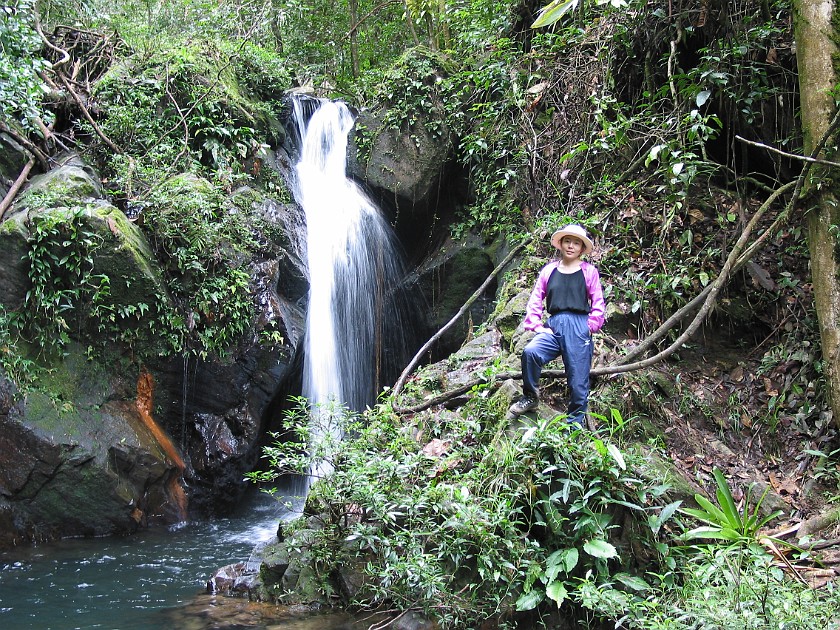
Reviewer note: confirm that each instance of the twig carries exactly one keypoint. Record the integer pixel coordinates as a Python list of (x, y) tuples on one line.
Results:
[(413, 363), (388, 622), (769, 543), (13, 191), (65, 56), (89, 118), (793, 156)]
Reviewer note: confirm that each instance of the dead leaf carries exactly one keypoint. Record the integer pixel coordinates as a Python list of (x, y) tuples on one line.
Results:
[(112, 225), (695, 215), (436, 447), (783, 486)]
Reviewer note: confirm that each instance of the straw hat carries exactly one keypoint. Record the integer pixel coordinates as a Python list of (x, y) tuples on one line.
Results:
[(576, 231)]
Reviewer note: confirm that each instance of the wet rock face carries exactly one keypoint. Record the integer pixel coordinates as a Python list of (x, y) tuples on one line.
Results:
[(448, 280), (215, 410), (89, 468)]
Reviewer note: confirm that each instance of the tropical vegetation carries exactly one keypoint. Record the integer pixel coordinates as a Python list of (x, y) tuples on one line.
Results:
[(673, 129)]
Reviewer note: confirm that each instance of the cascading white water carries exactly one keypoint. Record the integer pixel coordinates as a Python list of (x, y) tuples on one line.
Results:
[(356, 321)]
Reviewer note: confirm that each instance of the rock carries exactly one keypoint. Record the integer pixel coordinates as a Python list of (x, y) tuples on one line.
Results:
[(13, 157), (447, 281), (223, 581), (120, 250), (90, 466), (214, 410), (406, 163)]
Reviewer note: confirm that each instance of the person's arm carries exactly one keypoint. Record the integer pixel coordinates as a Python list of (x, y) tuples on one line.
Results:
[(597, 306), (534, 310)]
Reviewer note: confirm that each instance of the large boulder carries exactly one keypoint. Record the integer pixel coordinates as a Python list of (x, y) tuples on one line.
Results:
[(448, 279), (218, 408), (13, 158), (85, 462), (118, 247), (404, 163)]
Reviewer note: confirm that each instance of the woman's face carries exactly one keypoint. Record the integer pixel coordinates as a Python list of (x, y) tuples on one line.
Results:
[(571, 247)]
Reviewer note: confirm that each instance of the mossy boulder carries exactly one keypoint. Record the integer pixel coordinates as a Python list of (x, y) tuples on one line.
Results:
[(118, 249), (83, 461)]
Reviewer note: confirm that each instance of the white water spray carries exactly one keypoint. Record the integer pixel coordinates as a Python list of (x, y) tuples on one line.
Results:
[(356, 321)]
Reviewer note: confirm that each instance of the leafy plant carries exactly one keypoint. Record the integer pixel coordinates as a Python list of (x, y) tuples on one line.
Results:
[(21, 88), (476, 523), (725, 521), (64, 291)]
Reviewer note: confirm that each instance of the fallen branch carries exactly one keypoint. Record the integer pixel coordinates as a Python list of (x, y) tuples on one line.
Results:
[(819, 522), (792, 156), (26, 144), (413, 363), (13, 191), (703, 296)]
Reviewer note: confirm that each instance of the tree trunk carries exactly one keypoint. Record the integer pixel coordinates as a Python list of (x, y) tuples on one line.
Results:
[(815, 50)]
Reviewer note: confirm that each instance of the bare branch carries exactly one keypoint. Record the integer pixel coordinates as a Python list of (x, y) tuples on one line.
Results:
[(413, 363), (793, 156), (13, 191)]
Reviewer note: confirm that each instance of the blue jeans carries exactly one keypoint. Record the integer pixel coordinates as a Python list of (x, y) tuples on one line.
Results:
[(571, 340)]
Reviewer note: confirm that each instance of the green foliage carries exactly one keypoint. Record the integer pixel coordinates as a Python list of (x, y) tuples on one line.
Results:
[(470, 527), (723, 588), (186, 109), (21, 89), (64, 291), (725, 521), (202, 245)]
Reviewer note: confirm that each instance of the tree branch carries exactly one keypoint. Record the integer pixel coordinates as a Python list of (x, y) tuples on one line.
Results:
[(13, 191), (792, 156)]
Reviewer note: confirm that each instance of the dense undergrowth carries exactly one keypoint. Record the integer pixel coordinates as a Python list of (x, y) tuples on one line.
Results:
[(471, 521)]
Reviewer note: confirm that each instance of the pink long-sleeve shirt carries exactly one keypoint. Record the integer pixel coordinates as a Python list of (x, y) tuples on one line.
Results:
[(536, 303)]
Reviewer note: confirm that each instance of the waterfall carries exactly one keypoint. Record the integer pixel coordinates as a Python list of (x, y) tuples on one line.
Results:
[(358, 331)]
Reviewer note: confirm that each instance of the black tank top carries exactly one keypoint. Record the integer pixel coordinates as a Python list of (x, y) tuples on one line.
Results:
[(566, 292)]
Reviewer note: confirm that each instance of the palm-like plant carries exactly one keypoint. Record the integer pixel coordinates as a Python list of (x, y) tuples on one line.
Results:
[(726, 521)]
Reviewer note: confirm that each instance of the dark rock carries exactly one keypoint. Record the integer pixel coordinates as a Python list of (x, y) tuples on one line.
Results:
[(404, 163), (223, 581), (448, 280), (13, 157), (90, 467)]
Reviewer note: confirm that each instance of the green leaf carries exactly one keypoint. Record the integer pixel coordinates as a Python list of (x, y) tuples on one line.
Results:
[(632, 581), (556, 592), (702, 97), (561, 560), (666, 513), (529, 600), (553, 12), (727, 503), (617, 456), (600, 549), (715, 533)]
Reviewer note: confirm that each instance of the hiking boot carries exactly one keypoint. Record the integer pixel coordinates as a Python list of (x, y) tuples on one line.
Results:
[(527, 403)]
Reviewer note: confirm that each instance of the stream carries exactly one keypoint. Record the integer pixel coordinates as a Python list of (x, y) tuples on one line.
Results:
[(151, 580)]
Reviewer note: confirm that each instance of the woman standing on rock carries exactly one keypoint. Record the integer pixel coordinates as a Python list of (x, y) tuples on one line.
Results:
[(570, 290)]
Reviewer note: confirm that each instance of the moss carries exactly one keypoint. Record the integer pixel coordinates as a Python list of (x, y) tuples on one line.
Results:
[(127, 258), (60, 187)]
